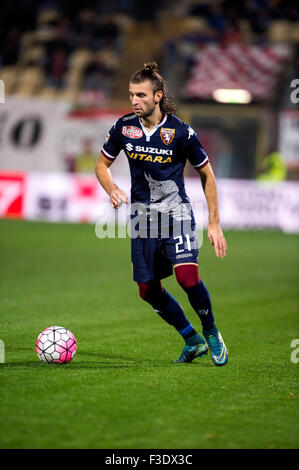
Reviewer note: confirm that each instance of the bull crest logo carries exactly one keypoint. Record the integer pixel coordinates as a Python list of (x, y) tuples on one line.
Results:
[(167, 135)]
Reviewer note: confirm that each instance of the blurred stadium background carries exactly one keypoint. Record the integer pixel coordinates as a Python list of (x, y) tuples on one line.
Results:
[(232, 66)]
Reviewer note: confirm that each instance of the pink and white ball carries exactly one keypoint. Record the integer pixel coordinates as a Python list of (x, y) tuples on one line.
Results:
[(56, 344)]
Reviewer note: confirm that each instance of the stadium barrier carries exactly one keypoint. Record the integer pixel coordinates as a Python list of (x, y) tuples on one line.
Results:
[(67, 197)]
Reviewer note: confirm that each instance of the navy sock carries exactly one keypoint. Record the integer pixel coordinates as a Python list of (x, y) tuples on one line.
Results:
[(169, 309), (173, 314), (199, 298)]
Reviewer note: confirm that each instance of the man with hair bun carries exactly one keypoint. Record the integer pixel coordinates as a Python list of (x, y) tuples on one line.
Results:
[(157, 144)]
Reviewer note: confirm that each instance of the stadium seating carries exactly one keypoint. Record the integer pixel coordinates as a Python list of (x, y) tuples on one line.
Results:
[(112, 44)]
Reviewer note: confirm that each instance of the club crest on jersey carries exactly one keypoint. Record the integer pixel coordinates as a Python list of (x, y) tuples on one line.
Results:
[(167, 135), (132, 132)]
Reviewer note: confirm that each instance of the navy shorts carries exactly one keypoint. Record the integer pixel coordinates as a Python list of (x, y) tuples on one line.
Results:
[(153, 258)]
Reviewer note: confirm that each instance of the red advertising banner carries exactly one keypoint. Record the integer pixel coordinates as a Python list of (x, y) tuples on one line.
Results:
[(12, 194)]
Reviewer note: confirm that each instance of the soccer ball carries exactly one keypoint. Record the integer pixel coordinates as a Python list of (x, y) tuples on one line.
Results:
[(56, 344)]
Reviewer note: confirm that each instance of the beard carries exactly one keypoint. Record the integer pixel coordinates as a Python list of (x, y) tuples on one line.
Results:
[(146, 112)]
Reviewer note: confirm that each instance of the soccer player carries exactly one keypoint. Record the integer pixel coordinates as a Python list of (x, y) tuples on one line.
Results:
[(157, 145)]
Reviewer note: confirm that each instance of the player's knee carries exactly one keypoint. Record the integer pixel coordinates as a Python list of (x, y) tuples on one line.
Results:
[(150, 292), (187, 275), (143, 290)]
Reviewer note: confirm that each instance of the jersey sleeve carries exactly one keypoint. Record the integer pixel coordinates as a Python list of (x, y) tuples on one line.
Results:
[(112, 145), (194, 151)]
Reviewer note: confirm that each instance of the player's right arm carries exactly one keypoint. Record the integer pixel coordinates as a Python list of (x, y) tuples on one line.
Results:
[(108, 154), (117, 195)]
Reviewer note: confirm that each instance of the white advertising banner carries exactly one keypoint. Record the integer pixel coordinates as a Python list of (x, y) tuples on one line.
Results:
[(28, 129), (246, 204), (39, 135), (63, 197)]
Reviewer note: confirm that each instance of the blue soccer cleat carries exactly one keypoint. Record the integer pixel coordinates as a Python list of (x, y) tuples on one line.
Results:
[(195, 348), (219, 352)]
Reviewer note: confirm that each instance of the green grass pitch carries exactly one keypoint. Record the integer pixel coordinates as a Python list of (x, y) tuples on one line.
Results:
[(122, 390)]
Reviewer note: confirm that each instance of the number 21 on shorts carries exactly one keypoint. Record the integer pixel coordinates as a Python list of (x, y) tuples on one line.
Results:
[(180, 246)]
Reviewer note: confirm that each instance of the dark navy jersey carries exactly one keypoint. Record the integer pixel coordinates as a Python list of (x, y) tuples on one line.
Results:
[(156, 158)]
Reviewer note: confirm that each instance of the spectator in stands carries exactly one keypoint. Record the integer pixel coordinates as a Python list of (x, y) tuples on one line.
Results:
[(109, 33), (274, 168), (87, 29), (56, 68), (11, 48), (86, 160), (233, 33), (58, 47), (62, 37), (217, 18), (260, 21), (98, 73), (65, 36)]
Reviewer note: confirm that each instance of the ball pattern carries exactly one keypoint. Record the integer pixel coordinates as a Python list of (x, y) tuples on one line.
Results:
[(56, 344)]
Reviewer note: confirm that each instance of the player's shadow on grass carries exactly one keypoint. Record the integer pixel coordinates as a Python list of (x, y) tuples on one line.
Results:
[(69, 366), (132, 362), (145, 364), (102, 361)]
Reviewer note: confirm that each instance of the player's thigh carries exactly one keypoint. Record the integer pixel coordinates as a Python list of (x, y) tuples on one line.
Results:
[(182, 248), (149, 260)]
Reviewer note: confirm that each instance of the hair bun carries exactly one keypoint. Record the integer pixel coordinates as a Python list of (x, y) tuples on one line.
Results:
[(151, 67)]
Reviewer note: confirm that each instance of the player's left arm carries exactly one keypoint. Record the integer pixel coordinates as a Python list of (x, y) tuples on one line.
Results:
[(215, 233)]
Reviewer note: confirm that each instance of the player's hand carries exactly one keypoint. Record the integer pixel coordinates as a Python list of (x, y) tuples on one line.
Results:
[(117, 197), (217, 239)]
